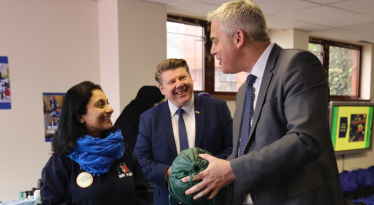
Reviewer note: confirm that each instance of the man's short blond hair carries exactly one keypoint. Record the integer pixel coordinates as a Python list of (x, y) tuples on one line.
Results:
[(170, 64)]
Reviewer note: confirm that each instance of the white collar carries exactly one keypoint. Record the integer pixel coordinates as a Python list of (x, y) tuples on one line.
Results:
[(259, 68), (188, 108)]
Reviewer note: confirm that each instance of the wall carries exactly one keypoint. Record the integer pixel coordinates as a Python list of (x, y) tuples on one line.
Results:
[(290, 38), (231, 105), (284, 38), (109, 53), (142, 45), (367, 64), (126, 60), (51, 45)]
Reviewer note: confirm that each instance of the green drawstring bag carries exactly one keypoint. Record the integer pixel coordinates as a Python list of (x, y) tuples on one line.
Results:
[(188, 163)]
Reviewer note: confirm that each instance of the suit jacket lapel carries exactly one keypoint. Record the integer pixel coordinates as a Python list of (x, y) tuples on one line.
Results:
[(167, 126), (238, 116), (199, 120), (265, 85)]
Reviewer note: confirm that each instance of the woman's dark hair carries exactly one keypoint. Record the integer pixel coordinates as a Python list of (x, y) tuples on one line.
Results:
[(69, 128)]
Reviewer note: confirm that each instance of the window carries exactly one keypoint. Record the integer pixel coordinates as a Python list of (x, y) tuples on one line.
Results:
[(187, 42), (189, 39), (342, 65)]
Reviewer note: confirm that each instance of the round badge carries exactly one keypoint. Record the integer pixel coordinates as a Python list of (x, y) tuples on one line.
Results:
[(84, 179)]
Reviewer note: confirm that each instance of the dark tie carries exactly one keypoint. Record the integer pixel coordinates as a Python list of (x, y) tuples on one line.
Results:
[(238, 195), (183, 141), (246, 124)]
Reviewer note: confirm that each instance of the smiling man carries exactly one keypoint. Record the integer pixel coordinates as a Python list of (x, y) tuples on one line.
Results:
[(184, 121)]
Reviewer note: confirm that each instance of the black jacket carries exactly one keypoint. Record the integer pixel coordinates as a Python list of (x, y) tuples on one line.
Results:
[(115, 187)]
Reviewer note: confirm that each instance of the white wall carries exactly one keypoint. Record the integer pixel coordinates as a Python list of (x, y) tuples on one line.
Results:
[(372, 74), (132, 43), (51, 45), (301, 39), (367, 67), (284, 38), (109, 53), (290, 38), (231, 105), (142, 45)]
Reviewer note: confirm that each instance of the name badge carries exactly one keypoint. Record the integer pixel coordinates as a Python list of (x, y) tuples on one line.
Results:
[(84, 179)]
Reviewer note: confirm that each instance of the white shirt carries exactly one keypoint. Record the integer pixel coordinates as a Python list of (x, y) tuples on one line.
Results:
[(258, 70), (189, 121)]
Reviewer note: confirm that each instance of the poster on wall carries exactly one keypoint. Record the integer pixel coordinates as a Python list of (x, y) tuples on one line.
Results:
[(351, 127), (4, 83), (52, 103)]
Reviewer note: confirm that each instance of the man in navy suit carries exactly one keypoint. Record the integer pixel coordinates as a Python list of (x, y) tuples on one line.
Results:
[(208, 125)]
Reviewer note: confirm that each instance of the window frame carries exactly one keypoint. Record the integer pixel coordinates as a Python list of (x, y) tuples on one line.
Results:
[(326, 59), (209, 69)]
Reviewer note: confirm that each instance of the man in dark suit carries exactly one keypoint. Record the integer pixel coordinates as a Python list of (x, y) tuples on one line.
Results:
[(207, 124), (282, 150)]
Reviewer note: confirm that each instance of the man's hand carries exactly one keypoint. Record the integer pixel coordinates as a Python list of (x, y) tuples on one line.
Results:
[(217, 175), (168, 174)]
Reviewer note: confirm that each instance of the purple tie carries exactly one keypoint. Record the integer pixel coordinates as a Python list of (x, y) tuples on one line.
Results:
[(238, 195)]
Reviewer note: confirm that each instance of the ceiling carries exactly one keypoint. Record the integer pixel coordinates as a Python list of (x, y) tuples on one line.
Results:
[(345, 20)]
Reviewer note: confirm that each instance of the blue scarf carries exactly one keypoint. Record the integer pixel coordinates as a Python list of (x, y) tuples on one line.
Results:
[(96, 155)]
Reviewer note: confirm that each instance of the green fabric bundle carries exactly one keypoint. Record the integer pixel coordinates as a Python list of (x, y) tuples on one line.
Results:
[(187, 163)]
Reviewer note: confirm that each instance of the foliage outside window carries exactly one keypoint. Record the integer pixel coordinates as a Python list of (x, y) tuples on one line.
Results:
[(342, 66)]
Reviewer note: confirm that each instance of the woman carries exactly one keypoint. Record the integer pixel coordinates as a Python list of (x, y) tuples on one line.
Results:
[(90, 164), (128, 121)]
